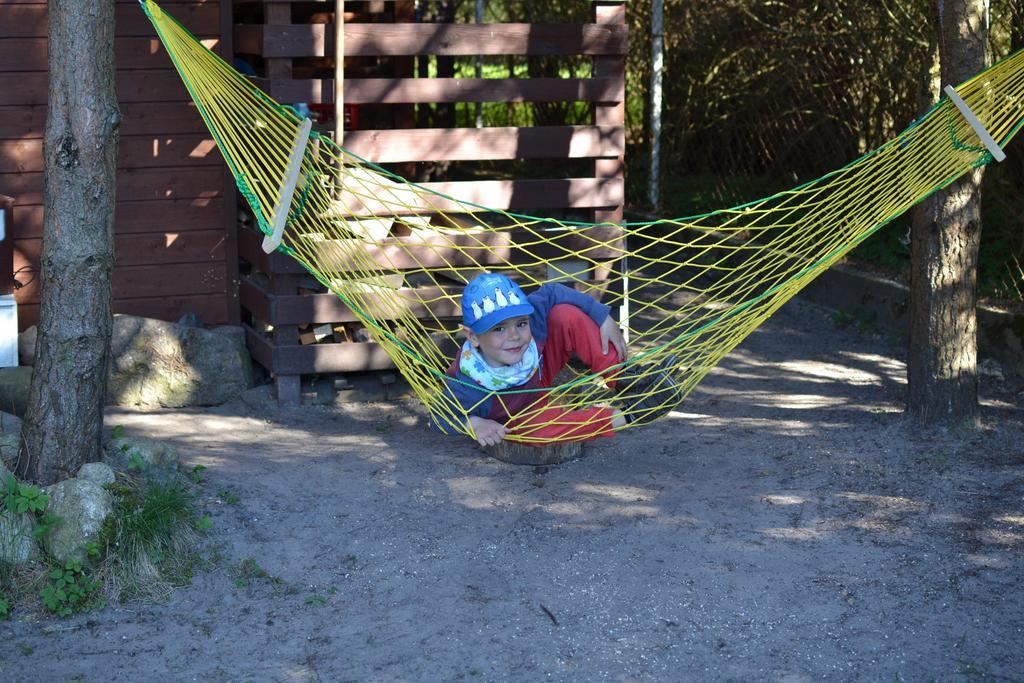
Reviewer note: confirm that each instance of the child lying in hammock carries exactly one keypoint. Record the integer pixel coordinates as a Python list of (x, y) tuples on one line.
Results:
[(522, 342)]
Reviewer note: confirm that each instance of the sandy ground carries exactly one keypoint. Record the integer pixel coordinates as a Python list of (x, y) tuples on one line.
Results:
[(786, 525)]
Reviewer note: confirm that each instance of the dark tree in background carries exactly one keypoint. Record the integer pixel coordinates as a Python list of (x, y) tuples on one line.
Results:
[(942, 360), (63, 426)]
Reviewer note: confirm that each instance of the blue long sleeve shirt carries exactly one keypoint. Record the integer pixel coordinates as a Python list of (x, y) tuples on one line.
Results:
[(465, 398)]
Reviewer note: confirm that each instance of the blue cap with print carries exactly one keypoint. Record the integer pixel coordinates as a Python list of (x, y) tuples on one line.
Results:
[(490, 298)]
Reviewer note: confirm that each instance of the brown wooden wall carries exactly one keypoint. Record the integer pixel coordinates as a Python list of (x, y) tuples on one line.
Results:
[(174, 230)]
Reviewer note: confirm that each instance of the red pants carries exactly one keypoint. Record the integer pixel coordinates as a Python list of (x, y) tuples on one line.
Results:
[(571, 332)]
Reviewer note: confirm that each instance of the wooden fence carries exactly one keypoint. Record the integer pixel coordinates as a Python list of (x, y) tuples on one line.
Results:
[(175, 241), (285, 45)]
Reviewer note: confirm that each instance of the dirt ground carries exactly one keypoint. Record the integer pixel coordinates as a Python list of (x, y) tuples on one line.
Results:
[(787, 524)]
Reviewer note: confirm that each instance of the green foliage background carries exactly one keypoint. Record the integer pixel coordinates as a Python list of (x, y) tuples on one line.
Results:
[(760, 96)]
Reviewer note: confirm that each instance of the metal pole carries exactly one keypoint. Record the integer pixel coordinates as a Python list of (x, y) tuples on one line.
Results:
[(657, 66)]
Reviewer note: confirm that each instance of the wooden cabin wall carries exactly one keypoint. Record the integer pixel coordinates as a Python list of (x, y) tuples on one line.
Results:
[(175, 240)]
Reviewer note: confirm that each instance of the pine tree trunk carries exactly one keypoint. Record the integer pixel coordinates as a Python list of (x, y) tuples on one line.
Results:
[(63, 425), (942, 361)]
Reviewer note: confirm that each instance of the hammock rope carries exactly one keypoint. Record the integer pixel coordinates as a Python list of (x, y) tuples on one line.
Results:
[(398, 253)]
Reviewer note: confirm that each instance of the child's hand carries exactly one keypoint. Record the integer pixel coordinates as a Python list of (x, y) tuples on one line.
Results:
[(488, 432), (610, 332)]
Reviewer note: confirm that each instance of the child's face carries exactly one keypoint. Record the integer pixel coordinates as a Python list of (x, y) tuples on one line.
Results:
[(505, 343)]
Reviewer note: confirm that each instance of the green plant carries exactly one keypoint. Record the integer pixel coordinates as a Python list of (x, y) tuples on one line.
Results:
[(203, 523), (861, 319), (249, 570), (315, 600), (45, 524), (22, 498), (135, 462), (228, 496), (117, 432), (70, 589), (197, 474), (5, 607)]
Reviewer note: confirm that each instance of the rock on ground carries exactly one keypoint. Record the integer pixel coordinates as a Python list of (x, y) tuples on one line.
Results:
[(98, 472), (157, 363), (154, 363), (158, 460), (9, 444), (83, 506), (14, 386)]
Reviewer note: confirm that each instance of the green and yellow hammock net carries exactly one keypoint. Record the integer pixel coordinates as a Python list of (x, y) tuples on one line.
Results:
[(686, 290)]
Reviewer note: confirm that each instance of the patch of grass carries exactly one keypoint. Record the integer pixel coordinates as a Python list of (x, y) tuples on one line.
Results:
[(228, 496), (197, 474), (864, 320), (315, 600), (148, 541), (248, 570), (147, 545)]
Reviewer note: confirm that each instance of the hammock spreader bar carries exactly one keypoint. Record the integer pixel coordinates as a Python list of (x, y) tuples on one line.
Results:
[(997, 153), (291, 178)]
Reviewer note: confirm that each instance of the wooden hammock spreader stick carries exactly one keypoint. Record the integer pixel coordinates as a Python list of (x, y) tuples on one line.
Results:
[(291, 179), (997, 153)]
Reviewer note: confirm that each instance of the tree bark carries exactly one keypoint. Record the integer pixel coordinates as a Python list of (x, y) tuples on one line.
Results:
[(63, 425), (942, 360)]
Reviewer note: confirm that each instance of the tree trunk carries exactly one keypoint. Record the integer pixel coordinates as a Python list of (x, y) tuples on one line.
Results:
[(63, 425), (942, 361)]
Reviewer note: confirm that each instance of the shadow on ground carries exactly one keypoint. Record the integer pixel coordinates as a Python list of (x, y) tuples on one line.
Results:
[(785, 523)]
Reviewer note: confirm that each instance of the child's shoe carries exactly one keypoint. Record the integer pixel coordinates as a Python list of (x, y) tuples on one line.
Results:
[(647, 393)]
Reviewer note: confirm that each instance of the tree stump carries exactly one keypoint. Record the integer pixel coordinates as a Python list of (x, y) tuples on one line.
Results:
[(516, 453)]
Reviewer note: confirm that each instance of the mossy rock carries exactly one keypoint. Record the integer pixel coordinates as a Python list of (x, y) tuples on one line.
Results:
[(83, 506), (14, 387), (150, 458)]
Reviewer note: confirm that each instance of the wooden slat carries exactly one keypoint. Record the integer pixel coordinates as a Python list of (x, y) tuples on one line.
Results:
[(493, 248), (321, 358), (135, 282), (260, 348), (29, 121), (30, 54), (133, 151), (29, 21), (140, 184), (613, 113), (141, 249), (428, 90), (131, 217), (516, 195), (328, 308), (143, 85), (212, 309), (316, 358), (466, 144), (22, 121), (415, 90), (401, 39), (22, 54)]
